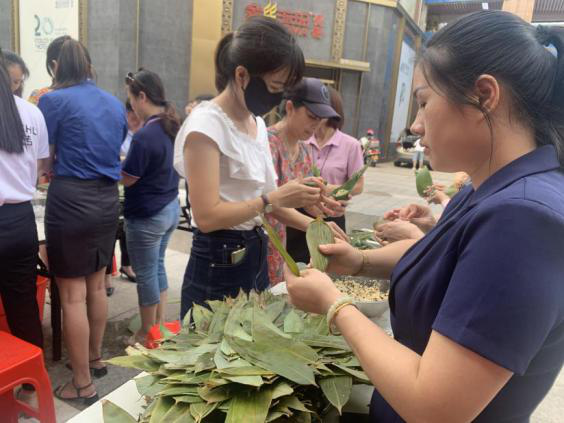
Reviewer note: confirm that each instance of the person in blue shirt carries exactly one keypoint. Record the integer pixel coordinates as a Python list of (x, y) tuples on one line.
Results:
[(477, 305), (86, 127), (151, 207)]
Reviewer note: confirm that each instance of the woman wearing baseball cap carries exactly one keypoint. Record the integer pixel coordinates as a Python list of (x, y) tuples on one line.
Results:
[(337, 156), (304, 108)]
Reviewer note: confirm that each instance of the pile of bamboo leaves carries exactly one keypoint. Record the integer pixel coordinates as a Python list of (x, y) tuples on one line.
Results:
[(251, 359)]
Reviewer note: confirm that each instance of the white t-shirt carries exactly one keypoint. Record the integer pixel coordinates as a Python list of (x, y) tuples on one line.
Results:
[(417, 146), (18, 172), (245, 164)]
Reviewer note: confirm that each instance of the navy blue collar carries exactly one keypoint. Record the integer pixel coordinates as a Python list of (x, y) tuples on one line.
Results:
[(541, 159)]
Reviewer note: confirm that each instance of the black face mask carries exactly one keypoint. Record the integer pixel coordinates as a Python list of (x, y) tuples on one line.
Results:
[(258, 99)]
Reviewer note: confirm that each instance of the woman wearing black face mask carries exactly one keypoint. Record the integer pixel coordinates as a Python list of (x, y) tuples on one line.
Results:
[(222, 149)]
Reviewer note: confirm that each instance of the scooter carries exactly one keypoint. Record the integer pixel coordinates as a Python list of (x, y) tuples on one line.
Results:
[(372, 152)]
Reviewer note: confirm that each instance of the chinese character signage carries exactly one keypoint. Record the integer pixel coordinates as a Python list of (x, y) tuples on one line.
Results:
[(300, 23)]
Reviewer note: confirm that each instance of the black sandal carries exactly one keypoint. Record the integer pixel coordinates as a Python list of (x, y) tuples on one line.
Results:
[(85, 400), (128, 276), (110, 291), (97, 372)]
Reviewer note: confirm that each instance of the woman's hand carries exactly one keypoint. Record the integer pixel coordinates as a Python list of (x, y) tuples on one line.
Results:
[(335, 208), (436, 195), (295, 194), (312, 291), (396, 231), (338, 233), (344, 259)]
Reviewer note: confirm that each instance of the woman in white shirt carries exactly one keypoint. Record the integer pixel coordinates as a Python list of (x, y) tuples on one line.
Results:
[(223, 150), (23, 145)]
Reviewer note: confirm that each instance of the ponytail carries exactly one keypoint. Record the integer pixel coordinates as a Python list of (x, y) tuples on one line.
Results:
[(151, 84), (553, 123), (11, 128), (170, 121), (224, 66), (73, 65)]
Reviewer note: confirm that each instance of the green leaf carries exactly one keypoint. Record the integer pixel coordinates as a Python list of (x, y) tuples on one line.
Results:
[(249, 407), (356, 373), (273, 310), (246, 380), (178, 411), (114, 414), (202, 317), (134, 324), (277, 243), (200, 410), (294, 403), (135, 362), (147, 385), (187, 399), (162, 405), (293, 323), (211, 395), (337, 390), (423, 181), (246, 371), (281, 389), (319, 233)]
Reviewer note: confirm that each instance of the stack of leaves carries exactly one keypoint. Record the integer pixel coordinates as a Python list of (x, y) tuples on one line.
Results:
[(251, 359)]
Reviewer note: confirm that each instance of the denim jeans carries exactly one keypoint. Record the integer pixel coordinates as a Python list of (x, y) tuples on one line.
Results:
[(147, 239), (211, 275)]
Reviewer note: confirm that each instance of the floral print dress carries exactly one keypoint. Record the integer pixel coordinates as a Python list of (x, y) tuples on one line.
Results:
[(286, 169)]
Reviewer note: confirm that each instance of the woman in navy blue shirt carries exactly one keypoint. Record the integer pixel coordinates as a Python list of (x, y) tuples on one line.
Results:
[(477, 305), (86, 126), (151, 208)]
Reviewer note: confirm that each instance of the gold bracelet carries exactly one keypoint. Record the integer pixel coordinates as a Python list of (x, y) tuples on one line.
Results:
[(364, 263), (337, 306)]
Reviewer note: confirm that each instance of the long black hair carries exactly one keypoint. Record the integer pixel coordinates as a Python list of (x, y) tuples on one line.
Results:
[(261, 45), (511, 50), (151, 84), (11, 128)]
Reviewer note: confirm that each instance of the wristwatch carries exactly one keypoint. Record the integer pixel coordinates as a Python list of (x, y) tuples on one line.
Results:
[(267, 205)]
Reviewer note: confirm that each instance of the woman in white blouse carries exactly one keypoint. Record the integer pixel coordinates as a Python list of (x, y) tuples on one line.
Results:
[(222, 149)]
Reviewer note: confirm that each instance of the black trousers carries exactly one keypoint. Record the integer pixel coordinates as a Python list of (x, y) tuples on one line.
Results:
[(123, 247), (296, 243), (18, 271)]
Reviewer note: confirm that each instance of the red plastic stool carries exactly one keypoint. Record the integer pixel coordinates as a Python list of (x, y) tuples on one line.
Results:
[(22, 362), (155, 335)]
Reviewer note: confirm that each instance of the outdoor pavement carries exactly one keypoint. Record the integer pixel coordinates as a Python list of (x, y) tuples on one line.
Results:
[(385, 187)]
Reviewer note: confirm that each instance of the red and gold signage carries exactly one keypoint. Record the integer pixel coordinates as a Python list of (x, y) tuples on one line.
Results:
[(300, 23)]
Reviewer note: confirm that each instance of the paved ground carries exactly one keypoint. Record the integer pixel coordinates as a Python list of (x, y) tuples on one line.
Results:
[(386, 187)]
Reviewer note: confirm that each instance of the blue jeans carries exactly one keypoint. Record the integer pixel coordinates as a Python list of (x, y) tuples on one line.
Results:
[(147, 239), (211, 275)]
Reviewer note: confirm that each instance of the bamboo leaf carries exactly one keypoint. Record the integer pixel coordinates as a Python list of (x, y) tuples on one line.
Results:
[(319, 233), (114, 414), (356, 373), (162, 406), (281, 389), (337, 390), (135, 362), (147, 385), (247, 407), (200, 410), (277, 243), (178, 411), (246, 380), (293, 323)]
